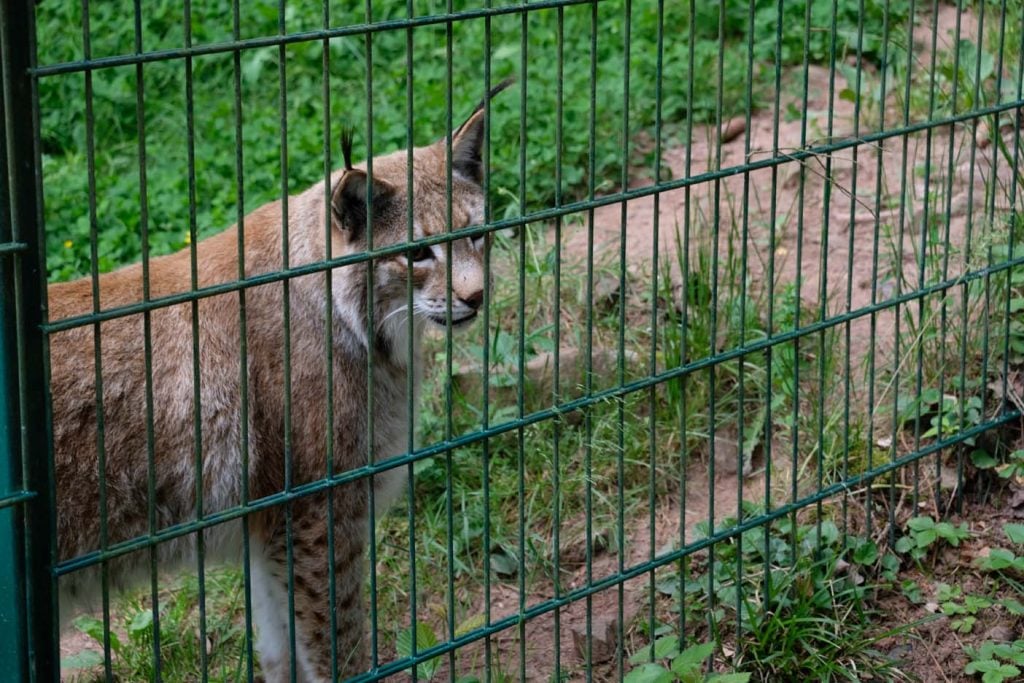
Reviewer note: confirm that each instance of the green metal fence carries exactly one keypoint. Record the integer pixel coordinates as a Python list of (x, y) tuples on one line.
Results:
[(760, 250)]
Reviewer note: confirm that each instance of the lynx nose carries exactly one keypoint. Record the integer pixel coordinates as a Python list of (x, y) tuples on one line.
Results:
[(474, 300)]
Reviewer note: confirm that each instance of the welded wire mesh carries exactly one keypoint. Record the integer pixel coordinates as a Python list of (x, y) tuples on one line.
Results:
[(751, 297)]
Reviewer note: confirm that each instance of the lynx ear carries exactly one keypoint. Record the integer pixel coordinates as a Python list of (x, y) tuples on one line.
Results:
[(349, 198), (349, 201), (468, 139)]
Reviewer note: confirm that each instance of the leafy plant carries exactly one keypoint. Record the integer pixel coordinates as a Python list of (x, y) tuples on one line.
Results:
[(682, 666), (798, 608), (425, 638), (947, 415), (135, 631), (1013, 468), (924, 533), (1001, 559), (962, 609), (996, 662)]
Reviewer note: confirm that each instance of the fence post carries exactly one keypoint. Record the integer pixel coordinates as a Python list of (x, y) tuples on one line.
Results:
[(28, 623), (12, 561)]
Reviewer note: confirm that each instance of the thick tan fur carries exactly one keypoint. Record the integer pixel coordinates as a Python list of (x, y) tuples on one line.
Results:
[(242, 398)]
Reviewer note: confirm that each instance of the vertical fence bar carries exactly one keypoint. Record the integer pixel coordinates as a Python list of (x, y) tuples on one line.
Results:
[(716, 194), (12, 518), (683, 251), (823, 278), (286, 346), (969, 236), (988, 211), (621, 352), (901, 220), (332, 578), (872, 345), (770, 313), (556, 505), (852, 231), (524, 235), (588, 415), (147, 345), (748, 104), (449, 349), (371, 325), (656, 227), (798, 284), (950, 175), (485, 355), (1014, 163), (27, 541), (243, 334), (197, 393), (26, 283), (13, 650), (922, 270), (410, 304)]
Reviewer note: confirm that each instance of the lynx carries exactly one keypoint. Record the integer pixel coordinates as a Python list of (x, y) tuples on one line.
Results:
[(243, 384)]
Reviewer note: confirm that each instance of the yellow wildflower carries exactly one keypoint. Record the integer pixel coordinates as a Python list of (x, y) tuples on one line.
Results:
[(68, 244)]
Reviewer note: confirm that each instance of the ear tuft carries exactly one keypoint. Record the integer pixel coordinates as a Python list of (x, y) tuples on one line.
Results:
[(346, 146), (468, 139)]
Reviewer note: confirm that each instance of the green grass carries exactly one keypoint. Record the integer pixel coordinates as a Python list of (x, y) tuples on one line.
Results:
[(116, 116), (134, 629), (787, 601)]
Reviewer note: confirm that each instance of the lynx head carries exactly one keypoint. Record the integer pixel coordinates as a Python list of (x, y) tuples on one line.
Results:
[(388, 202)]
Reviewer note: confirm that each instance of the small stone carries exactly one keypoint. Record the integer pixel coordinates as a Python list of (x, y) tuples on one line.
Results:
[(732, 129), (1012, 123), (729, 460), (602, 640), (949, 480), (1000, 634), (573, 551), (790, 176), (607, 292), (901, 652), (727, 455), (983, 136)]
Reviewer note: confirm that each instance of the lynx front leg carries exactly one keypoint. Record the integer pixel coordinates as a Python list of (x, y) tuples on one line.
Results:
[(311, 577), (311, 584), (270, 613)]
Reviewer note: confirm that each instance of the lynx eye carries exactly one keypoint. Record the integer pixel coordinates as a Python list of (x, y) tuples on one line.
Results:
[(478, 242), (421, 254)]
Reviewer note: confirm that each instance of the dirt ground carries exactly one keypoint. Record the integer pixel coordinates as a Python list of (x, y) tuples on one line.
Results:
[(933, 650), (822, 211)]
